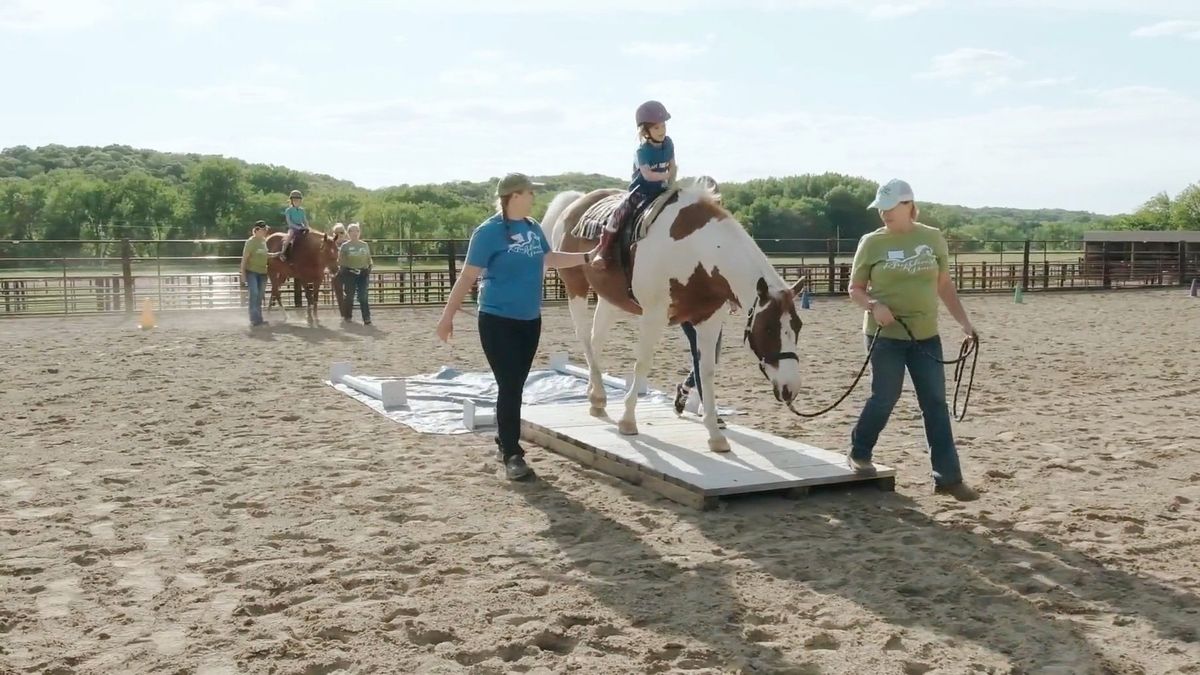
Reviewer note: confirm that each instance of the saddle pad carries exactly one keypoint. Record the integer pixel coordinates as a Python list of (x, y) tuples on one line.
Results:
[(596, 218)]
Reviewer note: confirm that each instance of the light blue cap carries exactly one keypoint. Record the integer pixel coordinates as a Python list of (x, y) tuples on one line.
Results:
[(890, 194)]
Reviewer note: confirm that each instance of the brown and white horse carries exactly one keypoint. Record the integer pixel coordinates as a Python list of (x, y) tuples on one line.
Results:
[(694, 260)]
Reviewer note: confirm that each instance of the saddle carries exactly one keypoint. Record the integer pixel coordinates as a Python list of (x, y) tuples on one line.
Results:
[(637, 223)]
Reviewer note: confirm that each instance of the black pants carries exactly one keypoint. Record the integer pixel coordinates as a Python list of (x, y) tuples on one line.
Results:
[(509, 345)]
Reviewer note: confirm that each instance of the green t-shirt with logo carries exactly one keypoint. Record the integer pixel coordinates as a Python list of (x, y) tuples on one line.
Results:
[(354, 254), (255, 255), (901, 271)]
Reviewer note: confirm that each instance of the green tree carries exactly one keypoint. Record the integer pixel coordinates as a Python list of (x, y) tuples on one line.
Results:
[(1185, 210), (216, 193)]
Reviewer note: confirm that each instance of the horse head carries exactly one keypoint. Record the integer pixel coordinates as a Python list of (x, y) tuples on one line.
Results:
[(773, 333), (329, 251)]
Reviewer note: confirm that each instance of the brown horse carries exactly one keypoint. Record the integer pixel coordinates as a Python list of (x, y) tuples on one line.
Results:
[(312, 254)]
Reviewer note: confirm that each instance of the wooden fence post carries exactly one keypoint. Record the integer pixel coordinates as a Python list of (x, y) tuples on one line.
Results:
[(1025, 268), (1105, 279), (450, 262), (127, 273), (830, 246), (1183, 281)]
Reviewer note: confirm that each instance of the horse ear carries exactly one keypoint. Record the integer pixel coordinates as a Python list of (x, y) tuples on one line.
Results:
[(799, 285), (764, 293)]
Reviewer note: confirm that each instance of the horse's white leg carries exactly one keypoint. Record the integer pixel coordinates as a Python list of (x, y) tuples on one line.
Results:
[(650, 329), (602, 323), (706, 341), (579, 319)]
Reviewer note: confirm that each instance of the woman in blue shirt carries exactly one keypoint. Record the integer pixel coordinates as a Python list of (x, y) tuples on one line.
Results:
[(510, 254)]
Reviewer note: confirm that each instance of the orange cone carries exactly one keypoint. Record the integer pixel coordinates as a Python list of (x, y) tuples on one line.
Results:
[(147, 320)]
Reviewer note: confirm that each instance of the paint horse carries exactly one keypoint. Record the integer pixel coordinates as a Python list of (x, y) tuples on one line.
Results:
[(691, 259), (312, 254)]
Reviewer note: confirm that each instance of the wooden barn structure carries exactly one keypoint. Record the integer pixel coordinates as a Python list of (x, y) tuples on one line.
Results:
[(1165, 256)]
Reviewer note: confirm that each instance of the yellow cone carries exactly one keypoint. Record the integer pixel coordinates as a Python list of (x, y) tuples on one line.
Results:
[(147, 320)]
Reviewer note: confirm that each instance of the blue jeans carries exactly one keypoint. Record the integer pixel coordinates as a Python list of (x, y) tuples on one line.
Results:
[(693, 378), (888, 363), (257, 285), (356, 285)]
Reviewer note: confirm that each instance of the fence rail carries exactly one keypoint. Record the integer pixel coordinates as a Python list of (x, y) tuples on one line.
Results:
[(122, 274)]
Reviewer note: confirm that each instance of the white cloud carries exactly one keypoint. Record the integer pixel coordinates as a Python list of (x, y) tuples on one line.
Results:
[(1139, 7), (483, 76), (468, 77), (264, 83), (52, 15), (984, 69), (1043, 82), (548, 76), (893, 10), (207, 12), (1183, 28), (681, 93), (1107, 153), (664, 51), (234, 94)]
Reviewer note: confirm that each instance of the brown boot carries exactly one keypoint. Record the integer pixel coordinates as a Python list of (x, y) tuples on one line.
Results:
[(604, 252), (960, 491)]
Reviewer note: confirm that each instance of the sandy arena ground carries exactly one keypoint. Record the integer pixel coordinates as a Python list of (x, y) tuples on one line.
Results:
[(193, 500)]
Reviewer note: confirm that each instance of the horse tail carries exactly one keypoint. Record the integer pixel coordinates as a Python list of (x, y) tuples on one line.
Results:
[(552, 221)]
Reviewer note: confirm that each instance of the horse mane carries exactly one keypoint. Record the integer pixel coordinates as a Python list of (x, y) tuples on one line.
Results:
[(704, 193)]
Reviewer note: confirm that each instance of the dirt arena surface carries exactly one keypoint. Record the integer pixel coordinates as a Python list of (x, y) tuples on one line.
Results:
[(193, 499)]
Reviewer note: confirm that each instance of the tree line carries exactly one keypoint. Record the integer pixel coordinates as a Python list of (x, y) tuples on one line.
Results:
[(115, 192)]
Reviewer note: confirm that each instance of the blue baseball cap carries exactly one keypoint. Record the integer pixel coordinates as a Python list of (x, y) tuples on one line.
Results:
[(890, 194)]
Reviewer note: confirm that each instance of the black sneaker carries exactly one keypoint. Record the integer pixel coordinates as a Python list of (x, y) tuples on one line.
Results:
[(515, 468), (681, 396)]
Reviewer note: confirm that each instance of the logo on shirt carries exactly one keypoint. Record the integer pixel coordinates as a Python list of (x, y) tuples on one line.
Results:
[(922, 259), (528, 243)]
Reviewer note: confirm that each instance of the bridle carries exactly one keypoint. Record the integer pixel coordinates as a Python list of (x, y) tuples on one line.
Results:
[(769, 358)]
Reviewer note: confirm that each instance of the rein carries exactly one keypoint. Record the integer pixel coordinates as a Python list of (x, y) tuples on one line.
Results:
[(969, 347)]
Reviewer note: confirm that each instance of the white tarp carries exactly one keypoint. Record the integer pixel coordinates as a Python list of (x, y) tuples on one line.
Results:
[(435, 401)]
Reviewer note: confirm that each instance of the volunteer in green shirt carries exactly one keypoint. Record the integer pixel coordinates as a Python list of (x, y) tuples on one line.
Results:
[(900, 271), (354, 267), (254, 270)]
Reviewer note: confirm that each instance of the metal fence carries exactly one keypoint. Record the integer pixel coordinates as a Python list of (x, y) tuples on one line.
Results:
[(96, 276)]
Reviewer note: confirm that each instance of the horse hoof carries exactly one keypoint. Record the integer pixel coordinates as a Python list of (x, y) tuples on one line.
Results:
[(627, 428), (596, 411), (718, 444)]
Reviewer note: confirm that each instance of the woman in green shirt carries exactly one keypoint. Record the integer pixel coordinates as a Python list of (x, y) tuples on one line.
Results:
[(254, 270), (900, 271), (354, 268)]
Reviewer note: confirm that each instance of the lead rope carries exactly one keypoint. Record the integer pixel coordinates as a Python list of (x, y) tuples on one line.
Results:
[(969, 347)]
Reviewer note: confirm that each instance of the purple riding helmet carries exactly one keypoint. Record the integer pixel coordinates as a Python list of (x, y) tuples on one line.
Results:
[(652, 112)]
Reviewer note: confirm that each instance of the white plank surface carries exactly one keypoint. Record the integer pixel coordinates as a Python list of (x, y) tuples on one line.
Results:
[(676, 449)]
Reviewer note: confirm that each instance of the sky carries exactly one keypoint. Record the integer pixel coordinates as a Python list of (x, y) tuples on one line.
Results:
[(1079, 104)]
